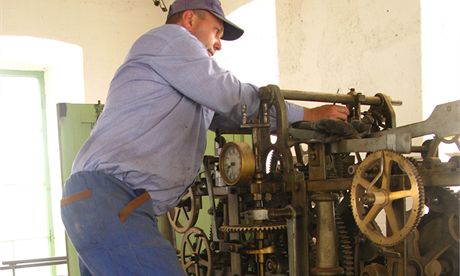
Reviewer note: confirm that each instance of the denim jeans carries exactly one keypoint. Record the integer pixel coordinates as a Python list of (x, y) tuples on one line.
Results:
[(107, 246)]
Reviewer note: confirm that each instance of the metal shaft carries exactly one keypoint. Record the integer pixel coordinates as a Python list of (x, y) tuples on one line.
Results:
[(331, 97)]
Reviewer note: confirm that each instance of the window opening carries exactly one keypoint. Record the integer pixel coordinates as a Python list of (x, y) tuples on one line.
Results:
[(440, 36), (25, 194)]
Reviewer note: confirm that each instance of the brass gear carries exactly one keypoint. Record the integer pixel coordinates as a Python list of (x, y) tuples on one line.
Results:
[(253, 228), (373, 192)]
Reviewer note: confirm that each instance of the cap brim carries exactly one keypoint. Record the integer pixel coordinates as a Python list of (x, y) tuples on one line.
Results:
[(231, 31)]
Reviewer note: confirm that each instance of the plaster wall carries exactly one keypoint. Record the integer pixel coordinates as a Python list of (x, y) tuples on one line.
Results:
[(372, 46), (105, 29), (322, 45)]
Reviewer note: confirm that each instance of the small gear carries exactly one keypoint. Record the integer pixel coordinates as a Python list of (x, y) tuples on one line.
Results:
[(442, 200), (274, 160)]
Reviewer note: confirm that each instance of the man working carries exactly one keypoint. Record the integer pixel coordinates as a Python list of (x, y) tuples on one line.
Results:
[(148, 143)]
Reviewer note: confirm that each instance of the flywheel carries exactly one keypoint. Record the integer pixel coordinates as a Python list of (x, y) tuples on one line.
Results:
[(195, 253), (387, 197), (185, 214)]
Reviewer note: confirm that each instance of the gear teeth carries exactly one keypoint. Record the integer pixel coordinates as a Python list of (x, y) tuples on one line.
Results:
[(418, 194), (346, 246), (449, 200), (252, 228), (275, 157), (413, 160), (421, 191)]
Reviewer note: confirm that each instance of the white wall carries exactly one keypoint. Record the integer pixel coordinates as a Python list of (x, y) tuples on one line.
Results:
[(373, 46), (105, 29), (322, 45)]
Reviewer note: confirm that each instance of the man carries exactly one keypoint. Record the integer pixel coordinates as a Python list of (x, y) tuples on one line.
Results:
[(148, 143)]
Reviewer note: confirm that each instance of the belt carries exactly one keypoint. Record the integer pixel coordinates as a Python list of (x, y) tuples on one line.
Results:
[(125, 211), (133, 205), (75, 197)]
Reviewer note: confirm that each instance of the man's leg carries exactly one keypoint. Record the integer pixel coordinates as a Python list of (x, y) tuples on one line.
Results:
[(107, 245), (84, 271)]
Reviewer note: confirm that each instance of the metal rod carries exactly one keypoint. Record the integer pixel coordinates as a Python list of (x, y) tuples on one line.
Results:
[(35, 260), (331, 97), (16, 264), (33, 265)]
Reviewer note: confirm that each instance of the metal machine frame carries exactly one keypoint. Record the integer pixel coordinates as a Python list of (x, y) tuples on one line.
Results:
[(314, 201)]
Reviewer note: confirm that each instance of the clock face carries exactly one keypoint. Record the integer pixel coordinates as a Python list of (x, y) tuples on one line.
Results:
[(236, 163), (232, 163)]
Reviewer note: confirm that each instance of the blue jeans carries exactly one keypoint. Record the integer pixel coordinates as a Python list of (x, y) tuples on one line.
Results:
[(105, 244)]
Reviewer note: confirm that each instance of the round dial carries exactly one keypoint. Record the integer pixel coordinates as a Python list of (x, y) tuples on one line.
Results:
[(236, 163)]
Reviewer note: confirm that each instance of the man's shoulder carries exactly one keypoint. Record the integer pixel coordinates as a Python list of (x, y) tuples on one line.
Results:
[(171, 38), (169, 31), (157, 39)]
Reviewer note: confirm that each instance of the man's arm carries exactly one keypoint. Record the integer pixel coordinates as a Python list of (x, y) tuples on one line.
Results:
[(330, 111)]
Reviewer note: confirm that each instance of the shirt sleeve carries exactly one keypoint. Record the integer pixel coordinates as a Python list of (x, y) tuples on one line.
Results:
[(183, 62), (295, 114)]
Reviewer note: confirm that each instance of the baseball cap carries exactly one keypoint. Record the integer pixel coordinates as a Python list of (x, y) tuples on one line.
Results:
[(231, 31)]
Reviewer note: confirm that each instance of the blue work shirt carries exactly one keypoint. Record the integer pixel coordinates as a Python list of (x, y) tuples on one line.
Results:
[(161, 102)]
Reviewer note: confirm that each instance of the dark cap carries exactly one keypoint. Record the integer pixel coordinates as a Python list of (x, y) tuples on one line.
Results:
[(231, 31)]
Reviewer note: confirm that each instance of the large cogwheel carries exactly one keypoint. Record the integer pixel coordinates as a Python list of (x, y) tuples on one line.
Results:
[(387, 185)]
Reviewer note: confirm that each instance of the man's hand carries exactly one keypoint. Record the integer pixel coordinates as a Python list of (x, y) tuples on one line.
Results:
[(330, 111)]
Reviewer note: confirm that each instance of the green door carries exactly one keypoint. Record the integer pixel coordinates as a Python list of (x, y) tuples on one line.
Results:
[(75, 122)]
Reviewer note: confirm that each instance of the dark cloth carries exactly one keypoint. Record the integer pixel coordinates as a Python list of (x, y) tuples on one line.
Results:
[(328, 130)]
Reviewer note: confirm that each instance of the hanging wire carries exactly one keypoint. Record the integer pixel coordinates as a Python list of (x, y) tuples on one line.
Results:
[(161, 4)]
